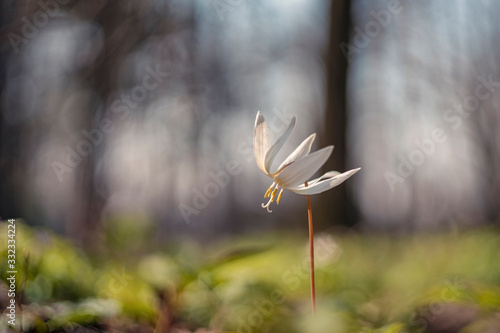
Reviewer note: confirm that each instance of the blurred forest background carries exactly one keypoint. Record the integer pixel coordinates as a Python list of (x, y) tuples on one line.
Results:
[(127, 108), (126, 132)]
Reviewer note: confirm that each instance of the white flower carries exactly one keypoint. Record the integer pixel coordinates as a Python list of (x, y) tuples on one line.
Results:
[(297, 168)]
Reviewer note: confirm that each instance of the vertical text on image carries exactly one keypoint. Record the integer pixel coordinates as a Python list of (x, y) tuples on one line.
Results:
[(11, 272)]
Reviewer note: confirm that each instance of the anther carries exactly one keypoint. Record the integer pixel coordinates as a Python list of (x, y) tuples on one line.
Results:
[(279, 197), (273, 195), (269, 190)]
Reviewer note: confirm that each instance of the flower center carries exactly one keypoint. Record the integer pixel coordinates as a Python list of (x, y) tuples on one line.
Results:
[(271, 192)]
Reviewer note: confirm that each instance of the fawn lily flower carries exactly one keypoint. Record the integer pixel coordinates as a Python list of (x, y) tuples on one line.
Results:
[(297, 168)]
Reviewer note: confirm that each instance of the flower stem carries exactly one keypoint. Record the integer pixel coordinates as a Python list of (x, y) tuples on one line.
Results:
[(311, 252)]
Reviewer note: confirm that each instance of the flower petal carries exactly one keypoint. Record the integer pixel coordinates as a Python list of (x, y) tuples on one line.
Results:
[(303, 168), (260, 141), (329, 174), (275, 148), (325, 184), (302, 150)]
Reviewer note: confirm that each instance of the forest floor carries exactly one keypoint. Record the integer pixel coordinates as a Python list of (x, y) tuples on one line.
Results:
[(445, 282)]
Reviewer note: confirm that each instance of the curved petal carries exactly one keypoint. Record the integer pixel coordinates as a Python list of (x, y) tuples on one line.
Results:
[(275, 148), (260, 141), (329, 174), (302, 169), (324, 185), (302, 150)]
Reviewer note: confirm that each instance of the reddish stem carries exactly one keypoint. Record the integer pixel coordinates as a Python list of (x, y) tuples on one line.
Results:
[(311, 252)]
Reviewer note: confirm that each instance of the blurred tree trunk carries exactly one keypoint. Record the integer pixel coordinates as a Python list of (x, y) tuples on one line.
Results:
[(9, 136), (122, 33), (84, 214), (335, 205)]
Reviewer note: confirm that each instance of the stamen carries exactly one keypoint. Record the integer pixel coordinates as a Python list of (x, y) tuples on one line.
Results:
[(273, 195), (279, 197), (271, 192), (268, 192)]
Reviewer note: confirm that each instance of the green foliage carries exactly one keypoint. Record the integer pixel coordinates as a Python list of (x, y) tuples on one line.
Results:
[(364, 283)]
